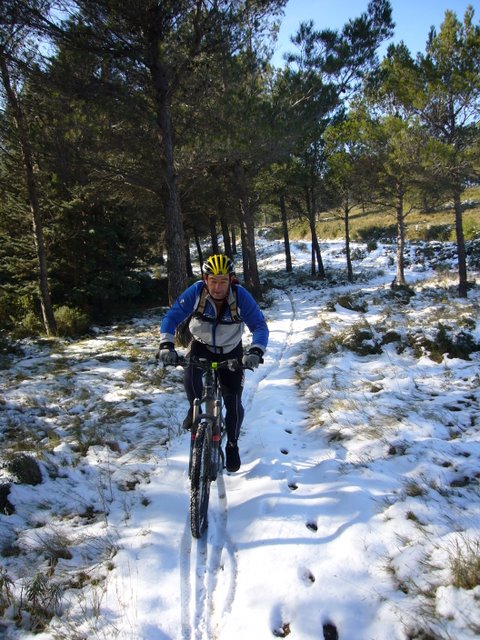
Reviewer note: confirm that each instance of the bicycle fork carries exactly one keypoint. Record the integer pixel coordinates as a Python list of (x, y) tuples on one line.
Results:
[(216, 439), (211, 431)]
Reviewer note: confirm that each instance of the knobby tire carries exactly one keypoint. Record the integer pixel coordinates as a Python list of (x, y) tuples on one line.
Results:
[(200, 479)]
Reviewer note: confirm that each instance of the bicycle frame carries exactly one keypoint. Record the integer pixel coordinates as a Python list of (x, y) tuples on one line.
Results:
[(206, 455), (211, 418)]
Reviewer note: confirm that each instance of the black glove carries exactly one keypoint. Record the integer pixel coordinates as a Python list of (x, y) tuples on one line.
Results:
[(252, 358), (167, 354)]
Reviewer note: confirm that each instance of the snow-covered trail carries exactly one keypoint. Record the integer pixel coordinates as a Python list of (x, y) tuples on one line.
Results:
[(284, 473), (284, 468), (304, 551), (291, 510), (358, 484), (357, 490), (214, 574)]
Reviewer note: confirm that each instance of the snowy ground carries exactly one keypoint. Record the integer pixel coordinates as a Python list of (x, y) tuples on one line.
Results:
[(356, 507)]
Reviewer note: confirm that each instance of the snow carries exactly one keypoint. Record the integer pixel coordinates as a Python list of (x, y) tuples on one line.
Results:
[(358, 485)]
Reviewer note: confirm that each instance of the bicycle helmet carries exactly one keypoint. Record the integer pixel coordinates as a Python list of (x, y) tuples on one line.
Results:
[(217, 265)]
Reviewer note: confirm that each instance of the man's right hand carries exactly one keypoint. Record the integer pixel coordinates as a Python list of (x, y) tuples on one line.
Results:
[(167, 354)]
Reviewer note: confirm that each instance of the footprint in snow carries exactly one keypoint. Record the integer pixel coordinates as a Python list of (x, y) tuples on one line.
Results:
[(307, 576), (283, 631), (330, 631)]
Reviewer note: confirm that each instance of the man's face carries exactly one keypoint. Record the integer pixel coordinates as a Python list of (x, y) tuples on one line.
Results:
[(217, 286)]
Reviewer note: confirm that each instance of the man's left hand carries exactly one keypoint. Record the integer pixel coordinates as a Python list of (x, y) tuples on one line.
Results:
[(252, 358)]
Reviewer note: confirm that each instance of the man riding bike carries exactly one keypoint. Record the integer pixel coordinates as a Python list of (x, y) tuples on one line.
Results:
[(218, 309)]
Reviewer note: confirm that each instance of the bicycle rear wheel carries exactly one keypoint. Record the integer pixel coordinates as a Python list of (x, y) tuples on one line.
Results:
[(200, 479)]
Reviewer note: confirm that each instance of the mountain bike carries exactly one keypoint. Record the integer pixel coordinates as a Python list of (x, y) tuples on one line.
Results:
[(207, 431)]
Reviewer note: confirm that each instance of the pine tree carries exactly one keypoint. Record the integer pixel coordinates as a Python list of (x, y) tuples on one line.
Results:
[(442, 88), (15, 62)]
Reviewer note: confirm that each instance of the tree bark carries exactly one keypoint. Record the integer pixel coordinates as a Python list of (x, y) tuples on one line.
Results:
[(213, 234), (234, 240), (199, 247), (247, 228), (48, 316), (316, 253), (461, 253), (400, 275), (346, 218), (188, 259), (160, 250), (176, 266), (226, 235), (286, 239)]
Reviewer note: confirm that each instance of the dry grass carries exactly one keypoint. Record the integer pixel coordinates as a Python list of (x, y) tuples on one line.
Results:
[(435, 225), (465, 564)]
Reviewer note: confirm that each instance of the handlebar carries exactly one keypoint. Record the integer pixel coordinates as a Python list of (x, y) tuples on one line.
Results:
[(233, 364)]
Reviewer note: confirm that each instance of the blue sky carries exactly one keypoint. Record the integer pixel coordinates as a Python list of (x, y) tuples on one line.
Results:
[(413, 18)]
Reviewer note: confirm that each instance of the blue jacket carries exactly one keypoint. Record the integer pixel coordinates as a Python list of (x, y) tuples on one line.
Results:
[(219, 334)]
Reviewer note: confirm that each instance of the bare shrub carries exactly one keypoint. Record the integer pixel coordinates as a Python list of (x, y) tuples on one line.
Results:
[(464, 562)]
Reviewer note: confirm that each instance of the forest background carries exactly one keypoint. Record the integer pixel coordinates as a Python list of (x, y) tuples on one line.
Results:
[(132, 130)]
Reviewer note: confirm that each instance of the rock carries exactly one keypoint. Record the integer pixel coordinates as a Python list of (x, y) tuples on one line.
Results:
[(6, 506), (25, 469)]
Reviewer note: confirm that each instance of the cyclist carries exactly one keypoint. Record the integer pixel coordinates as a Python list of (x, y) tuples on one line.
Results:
[(217, 309)]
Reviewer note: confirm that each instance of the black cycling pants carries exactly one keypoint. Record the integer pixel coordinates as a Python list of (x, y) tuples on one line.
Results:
[(231, 383)]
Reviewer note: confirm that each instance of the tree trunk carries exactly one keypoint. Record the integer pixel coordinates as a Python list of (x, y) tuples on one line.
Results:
[(461, 253), (160, 249), (243, 241), (346, 218), (247, 228), (226, 235), (316, 253), (286, 239), (400, 276), (213, 234), (188, 260), (176, 266), (37, 221), (199, 247)]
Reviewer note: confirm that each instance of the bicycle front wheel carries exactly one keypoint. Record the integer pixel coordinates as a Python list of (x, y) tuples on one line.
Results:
[(200, 478)]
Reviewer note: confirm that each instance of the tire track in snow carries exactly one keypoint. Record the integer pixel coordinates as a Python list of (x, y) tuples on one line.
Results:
[(193, 595), (221, 564), (185, 588), (201, 563), (199, 588)]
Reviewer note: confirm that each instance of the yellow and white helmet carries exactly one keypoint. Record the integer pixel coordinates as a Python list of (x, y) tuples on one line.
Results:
[(218, 265)]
